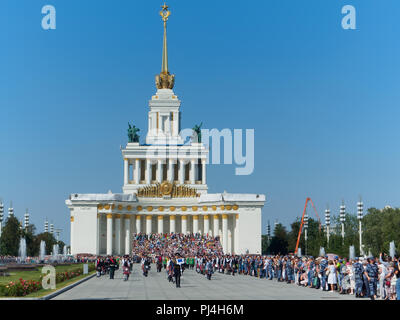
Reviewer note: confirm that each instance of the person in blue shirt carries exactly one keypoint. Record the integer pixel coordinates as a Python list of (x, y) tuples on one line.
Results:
[(371, 272), (358, 272)]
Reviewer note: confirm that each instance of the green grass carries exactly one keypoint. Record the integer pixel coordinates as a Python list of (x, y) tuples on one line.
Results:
[(35, 275)]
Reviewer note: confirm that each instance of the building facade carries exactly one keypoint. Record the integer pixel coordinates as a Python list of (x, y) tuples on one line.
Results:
[(164, 189)]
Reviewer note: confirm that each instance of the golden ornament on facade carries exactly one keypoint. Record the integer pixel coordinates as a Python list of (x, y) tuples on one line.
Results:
[(113, 207), (161, 208), (109, 216), (149, 208), (120, 207), (222, 207), (100, 207), (72, 219), (214, 208), (228, 207), (205, 208), (167, 189), (235, 207), (107, 207), (172, 208), (183, 208), (117, 216), (139, 208)]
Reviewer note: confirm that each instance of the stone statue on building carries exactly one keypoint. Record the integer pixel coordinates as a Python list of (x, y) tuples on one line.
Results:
[(196, 137), (132, 133)]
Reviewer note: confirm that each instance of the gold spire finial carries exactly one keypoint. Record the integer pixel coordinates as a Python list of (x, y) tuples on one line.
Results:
[(164, 80)]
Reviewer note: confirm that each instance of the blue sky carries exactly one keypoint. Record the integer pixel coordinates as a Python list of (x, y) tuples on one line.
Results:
[(324, 102)]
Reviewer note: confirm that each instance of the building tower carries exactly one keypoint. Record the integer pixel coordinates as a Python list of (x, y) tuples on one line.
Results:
[(52, 228), (46, 226)]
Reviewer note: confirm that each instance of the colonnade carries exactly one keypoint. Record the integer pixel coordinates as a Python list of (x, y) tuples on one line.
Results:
[(148, 171), (121, 227)]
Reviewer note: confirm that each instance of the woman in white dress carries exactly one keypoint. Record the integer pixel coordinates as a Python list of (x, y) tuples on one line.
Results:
[(332, 275)]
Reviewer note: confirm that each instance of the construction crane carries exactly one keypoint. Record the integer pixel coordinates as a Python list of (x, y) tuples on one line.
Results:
[(302, 222)]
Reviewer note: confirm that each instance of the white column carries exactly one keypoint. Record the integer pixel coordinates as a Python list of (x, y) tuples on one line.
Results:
[(172, 224), (195, 223), (170, 172), (236, 235), (109, 234), (72, 235), (206, 225), (148, 171), (126, 171), (181, 172), (216, 226), (137, 172), (159, 171), (168, 126), (184, 224), (148, 224), (117, 234), (160, 224), (176, 123), (203, 171), (138, 229), (98, 235), (225, 233), (127, 234), (192, 168)]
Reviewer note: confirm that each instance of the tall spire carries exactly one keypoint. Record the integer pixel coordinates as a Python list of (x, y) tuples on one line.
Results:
[(165, 80), (165, 13)]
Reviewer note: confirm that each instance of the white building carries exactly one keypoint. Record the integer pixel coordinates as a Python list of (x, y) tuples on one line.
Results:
[(164, 190)]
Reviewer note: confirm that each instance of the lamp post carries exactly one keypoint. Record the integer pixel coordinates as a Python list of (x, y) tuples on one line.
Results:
[(26, 217), (1, 215), (360, 209), (305, 230), (328, 223), (342, 218)]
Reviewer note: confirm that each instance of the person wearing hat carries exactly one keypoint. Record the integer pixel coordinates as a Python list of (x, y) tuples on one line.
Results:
[(371, 273)]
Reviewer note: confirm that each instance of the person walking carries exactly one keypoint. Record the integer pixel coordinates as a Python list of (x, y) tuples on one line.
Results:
[(112, 267), (177, 273)]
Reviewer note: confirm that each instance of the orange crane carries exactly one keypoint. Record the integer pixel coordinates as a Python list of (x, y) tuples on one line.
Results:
[(302, 222)]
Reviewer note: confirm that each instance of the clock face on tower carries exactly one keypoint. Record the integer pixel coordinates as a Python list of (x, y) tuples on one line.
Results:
[(166, 188)]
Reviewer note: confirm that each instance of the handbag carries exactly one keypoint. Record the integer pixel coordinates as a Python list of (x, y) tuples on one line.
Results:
[(327, 272)]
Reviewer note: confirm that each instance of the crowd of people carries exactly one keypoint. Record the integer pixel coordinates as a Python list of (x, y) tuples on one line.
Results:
[(374, 278)]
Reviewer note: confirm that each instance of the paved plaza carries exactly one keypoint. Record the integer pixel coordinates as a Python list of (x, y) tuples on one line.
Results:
[(193, 287)]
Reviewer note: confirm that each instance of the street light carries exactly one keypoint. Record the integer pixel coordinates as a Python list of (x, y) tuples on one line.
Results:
[(305, 230), (328, 223), (1, 215), (26, 225), (342, 218), (360, 209)]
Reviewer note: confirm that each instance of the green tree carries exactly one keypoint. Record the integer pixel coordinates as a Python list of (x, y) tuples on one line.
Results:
[(279, 242), (380, 227), (48, 238), (10, 237), (32, 249)]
